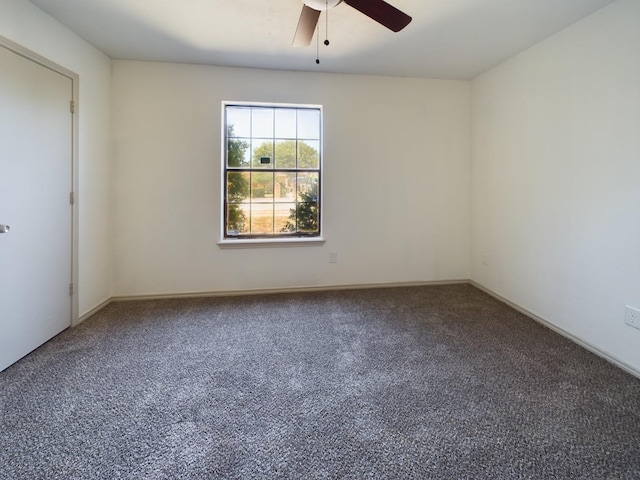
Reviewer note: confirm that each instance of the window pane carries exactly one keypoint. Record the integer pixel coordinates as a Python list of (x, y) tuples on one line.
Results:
[(307, 207), (262, 187), (308, 154), (238, 152), (237, 186), (285, 123), (262, 122), (308, 187), (285, 217), (238, 219), (284, 189), (285, 154), (262, 153), (309, 124), (262, 218), (238, 121)]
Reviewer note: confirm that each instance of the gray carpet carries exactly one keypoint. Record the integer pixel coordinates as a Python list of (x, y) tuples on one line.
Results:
[(438, 382)]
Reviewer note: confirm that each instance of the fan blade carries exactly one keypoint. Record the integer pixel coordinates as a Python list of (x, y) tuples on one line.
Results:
[(382, 12), (306, 27)]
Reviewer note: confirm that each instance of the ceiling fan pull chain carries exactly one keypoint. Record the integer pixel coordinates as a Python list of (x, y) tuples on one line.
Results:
[(326, 26), (317, 44)]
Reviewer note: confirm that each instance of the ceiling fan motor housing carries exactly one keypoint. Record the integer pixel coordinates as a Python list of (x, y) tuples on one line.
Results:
[(321, 5)]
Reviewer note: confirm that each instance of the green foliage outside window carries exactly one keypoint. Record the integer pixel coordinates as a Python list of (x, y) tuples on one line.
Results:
[(286, 153), (237, 184), (304, 218)]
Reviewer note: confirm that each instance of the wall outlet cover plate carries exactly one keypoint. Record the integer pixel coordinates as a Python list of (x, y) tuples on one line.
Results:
[(632, 317)]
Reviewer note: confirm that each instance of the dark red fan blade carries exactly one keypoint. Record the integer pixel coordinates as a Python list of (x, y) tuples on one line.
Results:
[(382, 12)]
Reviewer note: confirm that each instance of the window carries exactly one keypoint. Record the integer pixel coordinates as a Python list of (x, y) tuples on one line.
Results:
[(272, 171)]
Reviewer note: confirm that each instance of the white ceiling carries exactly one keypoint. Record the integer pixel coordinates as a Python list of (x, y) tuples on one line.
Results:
[(454, 39)]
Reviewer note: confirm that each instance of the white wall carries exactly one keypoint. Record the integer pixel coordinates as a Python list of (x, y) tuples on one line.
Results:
[(556, 179), (396, 180), (28, 26)]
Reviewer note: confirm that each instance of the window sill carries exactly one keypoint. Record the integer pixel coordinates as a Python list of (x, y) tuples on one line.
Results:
[(272, 242)]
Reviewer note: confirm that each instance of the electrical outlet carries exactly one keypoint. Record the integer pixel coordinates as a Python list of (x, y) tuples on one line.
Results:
[(333, 257), (485, 259), (632, 317)]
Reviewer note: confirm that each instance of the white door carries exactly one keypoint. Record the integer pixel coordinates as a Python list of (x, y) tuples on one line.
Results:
[(35, 183)]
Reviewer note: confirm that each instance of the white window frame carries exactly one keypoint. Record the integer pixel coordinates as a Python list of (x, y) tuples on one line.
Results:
[(225, 241)]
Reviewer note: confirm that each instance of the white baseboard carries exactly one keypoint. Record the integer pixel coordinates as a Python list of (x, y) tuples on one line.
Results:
[(93, 311), (550, 325)]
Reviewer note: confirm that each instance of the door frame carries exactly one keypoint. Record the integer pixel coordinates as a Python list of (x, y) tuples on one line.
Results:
[(46, 63)]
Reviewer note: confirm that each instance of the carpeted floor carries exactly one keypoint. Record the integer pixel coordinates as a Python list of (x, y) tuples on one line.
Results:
[(438, 382)]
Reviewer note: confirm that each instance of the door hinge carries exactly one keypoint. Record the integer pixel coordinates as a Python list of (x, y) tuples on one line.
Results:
[(72, 106), (71, 289), (72, 198)]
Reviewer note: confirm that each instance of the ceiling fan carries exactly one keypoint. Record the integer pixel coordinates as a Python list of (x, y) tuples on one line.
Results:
[(378, 10)]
